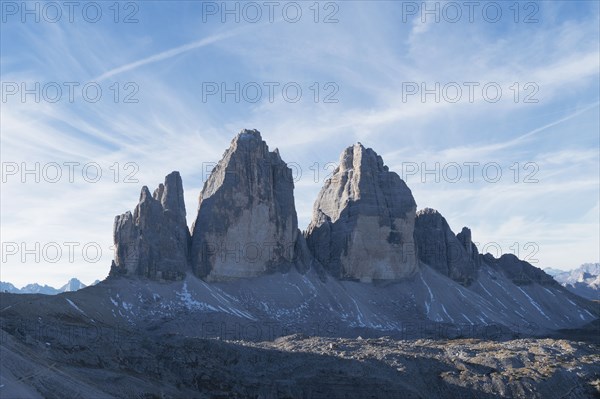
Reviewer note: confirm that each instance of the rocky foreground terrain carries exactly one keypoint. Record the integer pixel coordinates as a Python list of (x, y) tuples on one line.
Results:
[(130, 364), (291, 336)]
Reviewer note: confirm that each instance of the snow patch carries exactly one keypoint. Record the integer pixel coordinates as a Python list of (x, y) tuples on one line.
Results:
[(548, 291), (359, 314), (444, 309), (427, 304), (571, 302), (461, 293), (534, 303), (481, 285), (75, 306), (190, 303)]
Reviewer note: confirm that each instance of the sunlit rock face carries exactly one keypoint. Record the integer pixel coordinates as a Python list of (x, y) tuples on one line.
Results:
[(363, 220), (247, 224)]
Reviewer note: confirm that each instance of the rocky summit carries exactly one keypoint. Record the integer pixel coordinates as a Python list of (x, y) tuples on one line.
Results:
[(247, 224), (154, 241), (363, 220)]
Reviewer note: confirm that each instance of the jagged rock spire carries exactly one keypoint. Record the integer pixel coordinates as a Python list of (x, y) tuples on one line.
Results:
[(154, 241)]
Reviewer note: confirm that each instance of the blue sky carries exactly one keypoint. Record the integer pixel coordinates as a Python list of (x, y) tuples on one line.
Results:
[(364, 66)]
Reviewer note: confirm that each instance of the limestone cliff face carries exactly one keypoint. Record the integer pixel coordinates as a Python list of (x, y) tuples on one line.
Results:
[(452, 255), (154, 241), (364, 226), (363, 220), (246, 224)]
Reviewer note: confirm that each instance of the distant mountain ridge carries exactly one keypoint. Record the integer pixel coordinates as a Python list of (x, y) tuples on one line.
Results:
[(72, 285), (583, 281), (552, 271)]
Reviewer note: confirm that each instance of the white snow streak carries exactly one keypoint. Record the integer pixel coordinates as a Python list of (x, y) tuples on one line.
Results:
[(444, 309), (534, 303), (427, 305), (75, 306)]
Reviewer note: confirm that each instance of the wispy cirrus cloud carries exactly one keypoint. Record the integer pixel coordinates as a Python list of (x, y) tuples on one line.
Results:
[(164, 55), (172, 128)]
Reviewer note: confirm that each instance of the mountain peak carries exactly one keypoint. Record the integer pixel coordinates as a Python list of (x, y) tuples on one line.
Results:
[(72, 285), (248, 135), (363, 220), (360, 158), (246, 224), (428, 211), (153, 242)]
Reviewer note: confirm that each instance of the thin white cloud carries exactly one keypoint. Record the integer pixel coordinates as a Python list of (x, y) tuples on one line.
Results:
[(483, 151), (168, 54)]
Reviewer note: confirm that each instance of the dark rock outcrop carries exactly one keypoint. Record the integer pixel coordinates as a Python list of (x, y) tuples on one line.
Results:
[(452, 255), (247, 224), (464, 237), (519, 271), (363, 220), (154, 241)]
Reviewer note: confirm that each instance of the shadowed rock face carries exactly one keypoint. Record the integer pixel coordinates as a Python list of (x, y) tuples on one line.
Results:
[(464, 237), (154, 241), (452, 255), (363, 220), (246, 224), (519, 271)]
